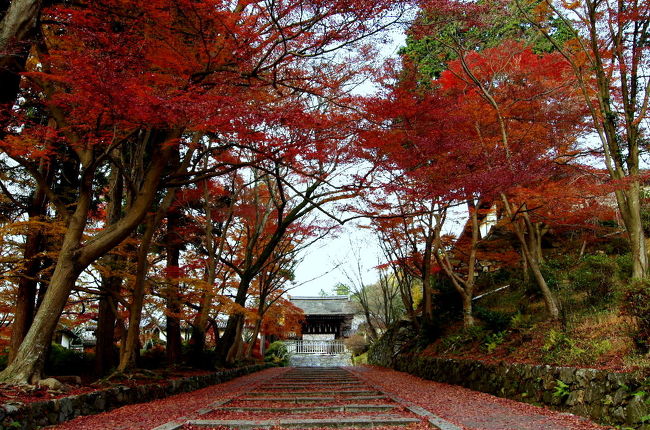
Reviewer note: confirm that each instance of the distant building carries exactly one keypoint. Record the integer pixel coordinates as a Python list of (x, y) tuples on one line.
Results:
[(326, 318)]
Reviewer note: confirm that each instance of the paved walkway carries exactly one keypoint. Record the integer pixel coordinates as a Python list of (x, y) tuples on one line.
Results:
[(318, 398)]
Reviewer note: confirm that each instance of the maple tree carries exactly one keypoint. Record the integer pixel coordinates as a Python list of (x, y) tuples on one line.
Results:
[(166, 159), (607, 53), (495, 120), (272, 213), (141, 87), (512, 94)]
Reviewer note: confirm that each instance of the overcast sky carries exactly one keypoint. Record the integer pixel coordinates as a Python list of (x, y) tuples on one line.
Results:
[(322, 258)]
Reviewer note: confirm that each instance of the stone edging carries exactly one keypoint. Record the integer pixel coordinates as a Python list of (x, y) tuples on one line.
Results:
[(27, 416), (607, 397)]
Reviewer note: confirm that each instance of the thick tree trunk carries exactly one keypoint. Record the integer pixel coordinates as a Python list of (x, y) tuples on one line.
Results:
[(27, 288), (234, 353), (227, 338), (17, 26), (28, 363), (199, 327), (72, 260), (106, 319), (630, 206), (235, 322), (256, 331)]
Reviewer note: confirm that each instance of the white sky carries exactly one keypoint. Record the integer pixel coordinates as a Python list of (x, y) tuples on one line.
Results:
[(321, 259)]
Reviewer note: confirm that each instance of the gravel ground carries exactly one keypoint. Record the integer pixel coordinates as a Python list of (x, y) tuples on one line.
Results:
[(470, 409)]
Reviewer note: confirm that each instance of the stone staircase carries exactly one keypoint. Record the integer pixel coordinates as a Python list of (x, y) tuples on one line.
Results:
[(312, 398)]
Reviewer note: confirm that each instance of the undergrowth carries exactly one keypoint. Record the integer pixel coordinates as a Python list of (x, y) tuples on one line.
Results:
[(605, 319)]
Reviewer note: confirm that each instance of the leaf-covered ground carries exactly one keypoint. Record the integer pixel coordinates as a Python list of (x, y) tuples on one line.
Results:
[(465, 408), (152, 414), (470, 409)]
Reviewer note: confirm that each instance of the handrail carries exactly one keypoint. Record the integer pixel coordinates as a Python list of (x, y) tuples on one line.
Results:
[(322, 347)]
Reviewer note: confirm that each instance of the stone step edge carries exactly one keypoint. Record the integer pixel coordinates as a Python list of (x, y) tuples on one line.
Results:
[(310, 399), (353, 385), (319, 381), (312, 393), (305, 423), (338, 408)]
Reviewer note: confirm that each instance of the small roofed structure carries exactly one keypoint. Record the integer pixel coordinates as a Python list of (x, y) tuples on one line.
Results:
[(326, 318)]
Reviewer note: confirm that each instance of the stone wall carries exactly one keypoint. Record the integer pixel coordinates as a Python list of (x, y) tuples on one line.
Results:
[(621, 399), (38, 414), (317, 360)]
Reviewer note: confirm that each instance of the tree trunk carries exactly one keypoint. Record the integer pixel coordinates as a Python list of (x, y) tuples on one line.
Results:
[(16, 27), (27, 287), (256, 331), (128, 353), (200, 323), (110, 287), (28, 363), (35, 243), (427, 290), (468, 318), (199, 327), (234, 352), (173, 305), (72, 260), (224, 346), (106, 319), (549, 297), (634, 226)]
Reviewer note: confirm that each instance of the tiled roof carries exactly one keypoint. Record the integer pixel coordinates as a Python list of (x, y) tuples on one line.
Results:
[(337, 305)]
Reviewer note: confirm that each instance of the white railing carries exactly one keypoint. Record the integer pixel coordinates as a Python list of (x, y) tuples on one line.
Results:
[(327, 347)]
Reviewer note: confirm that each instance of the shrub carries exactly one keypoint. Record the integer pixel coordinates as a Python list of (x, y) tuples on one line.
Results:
[(597, 275), (494, 320), (624, 262), (493, 340), (357, 344), (63, 361), (636, 303), (560, 348), (153, 358), (277, 354), (520, 321), (456, 342)]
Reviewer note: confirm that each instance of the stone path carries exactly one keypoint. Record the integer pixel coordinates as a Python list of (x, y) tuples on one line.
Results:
[(346, 397), (312, 397)]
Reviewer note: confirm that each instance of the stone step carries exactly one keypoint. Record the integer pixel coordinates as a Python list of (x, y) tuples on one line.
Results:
[(310, 399), (316, 381), (362, 421), (301, 410), (313, 399), (306, 393), (311, 386)]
